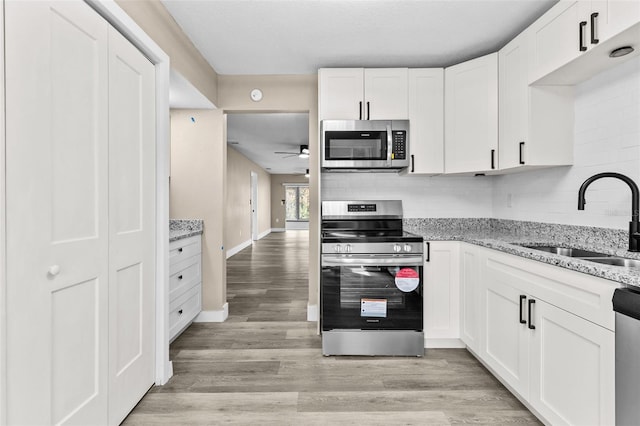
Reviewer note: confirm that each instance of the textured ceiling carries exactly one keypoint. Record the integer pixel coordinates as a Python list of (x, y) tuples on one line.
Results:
[(298, 37), (258, 136)]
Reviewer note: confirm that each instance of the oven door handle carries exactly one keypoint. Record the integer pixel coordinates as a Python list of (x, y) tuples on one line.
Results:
[(329, 260), (389, 145)]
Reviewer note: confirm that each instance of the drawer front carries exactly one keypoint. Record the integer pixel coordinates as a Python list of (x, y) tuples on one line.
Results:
[(184, 249), (184, 275), (184, 309)]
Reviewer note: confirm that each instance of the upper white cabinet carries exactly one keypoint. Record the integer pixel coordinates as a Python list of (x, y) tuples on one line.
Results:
[(536, 122), (471, 116), (426, 112), (363, 94), (571, 28)]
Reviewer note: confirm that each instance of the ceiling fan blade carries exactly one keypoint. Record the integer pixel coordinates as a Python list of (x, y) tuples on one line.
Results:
[(285, 152)]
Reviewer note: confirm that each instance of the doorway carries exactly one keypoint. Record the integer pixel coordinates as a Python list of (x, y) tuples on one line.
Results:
[(254, 206)]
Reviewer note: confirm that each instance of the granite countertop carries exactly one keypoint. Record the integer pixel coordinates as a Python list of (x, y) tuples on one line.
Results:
[(184, 228), (508, 236)]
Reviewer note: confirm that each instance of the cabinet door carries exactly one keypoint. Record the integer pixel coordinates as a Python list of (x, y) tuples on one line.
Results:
[(613, 17), (471, 116), (558, 37), (57, 222), (386, 93), (572, 368), (341, 93), (470, 300), (441, 291), (426, 112), (131, 226), (506, 341), (513, 62)]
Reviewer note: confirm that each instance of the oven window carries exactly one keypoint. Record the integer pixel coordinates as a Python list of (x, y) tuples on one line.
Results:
[(356, 146), (368, 297)]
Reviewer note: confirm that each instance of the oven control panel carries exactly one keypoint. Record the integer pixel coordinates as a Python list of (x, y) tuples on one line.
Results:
[(373, 248)]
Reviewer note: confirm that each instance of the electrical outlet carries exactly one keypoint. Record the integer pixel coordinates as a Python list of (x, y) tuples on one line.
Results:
[(509, 200), (277, 220)]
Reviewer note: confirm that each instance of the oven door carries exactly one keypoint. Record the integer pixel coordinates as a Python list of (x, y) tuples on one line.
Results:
[(371, 292)]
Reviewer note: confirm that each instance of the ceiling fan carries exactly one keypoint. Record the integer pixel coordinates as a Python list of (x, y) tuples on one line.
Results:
[(303, 153)]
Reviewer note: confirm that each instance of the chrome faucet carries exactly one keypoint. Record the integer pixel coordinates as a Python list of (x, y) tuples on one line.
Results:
[(634, 225)]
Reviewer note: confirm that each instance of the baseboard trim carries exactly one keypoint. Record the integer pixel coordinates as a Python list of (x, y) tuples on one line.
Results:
[(237, 249), (312, 313), (264, 234), (278, 230), (443, 343), (214, 316)]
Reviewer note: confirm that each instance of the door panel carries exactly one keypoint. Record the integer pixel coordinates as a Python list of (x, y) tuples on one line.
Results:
[(56, 124), (132, 224)]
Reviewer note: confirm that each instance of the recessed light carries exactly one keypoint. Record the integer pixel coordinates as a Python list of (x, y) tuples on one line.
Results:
[(621, 51)]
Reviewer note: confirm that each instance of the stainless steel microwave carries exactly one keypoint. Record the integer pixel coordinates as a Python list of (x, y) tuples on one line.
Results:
[(364, 144)]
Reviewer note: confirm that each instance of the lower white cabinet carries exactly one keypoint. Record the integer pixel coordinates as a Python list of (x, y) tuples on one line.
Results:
[(560, 363), (185, 283), (470, 297), (442, 294)]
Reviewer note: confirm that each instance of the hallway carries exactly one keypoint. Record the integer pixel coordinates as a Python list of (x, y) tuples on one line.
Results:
[(264, 365)]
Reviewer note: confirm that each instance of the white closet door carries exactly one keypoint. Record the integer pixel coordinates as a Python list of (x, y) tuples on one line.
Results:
[(57, 227), (131, 225)]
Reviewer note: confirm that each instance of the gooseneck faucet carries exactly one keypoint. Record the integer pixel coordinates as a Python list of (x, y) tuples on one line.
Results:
[(634, 225)]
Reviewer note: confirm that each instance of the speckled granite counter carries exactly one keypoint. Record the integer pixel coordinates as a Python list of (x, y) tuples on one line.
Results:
[(509, 236), (184, 228)]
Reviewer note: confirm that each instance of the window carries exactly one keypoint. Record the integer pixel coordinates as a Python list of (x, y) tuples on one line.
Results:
[(297, 203)]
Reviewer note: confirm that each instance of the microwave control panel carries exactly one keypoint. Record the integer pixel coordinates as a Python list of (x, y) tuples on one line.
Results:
[(399, 151)]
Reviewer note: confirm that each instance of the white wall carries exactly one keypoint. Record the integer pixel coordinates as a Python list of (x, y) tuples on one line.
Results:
[(607, 139), (436, 196)]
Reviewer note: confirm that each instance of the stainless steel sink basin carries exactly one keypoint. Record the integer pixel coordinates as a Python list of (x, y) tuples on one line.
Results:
[(616, 261), (571, 252)]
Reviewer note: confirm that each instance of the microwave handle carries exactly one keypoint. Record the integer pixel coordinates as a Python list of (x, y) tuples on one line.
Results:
[(389, 144)]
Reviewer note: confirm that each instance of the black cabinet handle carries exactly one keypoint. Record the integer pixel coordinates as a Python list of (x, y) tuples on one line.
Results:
[(594, 40), (368, 111), (520, 152), (493, 159), (413, 169), (522, 299), (180, 312), (180, 250), (531, 303), (179, 277), (428, 258), (360, 110), (581, 35)]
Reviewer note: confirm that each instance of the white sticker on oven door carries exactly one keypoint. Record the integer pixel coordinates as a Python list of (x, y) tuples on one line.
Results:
[(373, 308), (407, 279)]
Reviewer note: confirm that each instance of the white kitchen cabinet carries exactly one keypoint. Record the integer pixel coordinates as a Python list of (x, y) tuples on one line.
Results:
[(442, 294), (548, 335), (506, 341), (572, 368), (536, 122), (470, 288), (471, 116), (572, 28), (426, 112), (363, 94), (185, 283)]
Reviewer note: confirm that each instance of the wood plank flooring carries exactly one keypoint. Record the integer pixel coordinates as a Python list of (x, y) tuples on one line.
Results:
[(264, 366)]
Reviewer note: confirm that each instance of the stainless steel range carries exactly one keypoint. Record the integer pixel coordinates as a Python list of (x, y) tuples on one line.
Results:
[(371, 284)]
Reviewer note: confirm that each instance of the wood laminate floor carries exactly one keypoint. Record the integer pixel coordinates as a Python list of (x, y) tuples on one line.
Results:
[(264, 366)]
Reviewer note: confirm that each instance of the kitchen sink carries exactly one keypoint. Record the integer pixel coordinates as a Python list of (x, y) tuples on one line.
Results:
[(591, 256), (616, 261), (570, 252)]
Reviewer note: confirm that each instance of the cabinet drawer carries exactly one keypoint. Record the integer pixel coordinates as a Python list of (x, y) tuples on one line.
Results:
[(184, 309), (183, 249), (184, 275)]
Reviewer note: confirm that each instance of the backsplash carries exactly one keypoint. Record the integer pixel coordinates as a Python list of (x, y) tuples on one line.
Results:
[(421, 196), (607, 138)]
